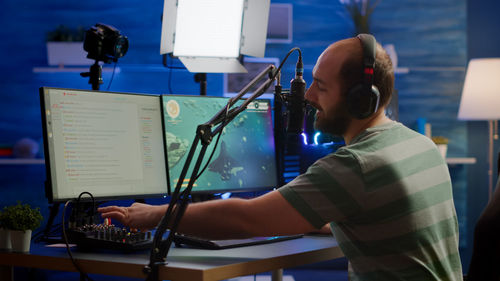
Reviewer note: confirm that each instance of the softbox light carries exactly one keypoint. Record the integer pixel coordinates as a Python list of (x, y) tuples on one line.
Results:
[(210, 35)]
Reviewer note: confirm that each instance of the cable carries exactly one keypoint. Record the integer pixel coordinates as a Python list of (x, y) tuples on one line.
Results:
[(284, 60), (170, 67), (83, 275), (91, 196), (170, 81), (216, 142), (112, 76)]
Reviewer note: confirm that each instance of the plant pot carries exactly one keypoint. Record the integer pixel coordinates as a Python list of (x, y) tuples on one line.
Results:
[(21, 240), (443, 148), (5, 243), (67, 53)]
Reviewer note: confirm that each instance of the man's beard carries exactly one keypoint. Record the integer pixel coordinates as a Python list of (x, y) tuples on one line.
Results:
[(334, 121)]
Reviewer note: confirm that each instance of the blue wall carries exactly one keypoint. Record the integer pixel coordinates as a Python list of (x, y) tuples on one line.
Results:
[(430, 37)]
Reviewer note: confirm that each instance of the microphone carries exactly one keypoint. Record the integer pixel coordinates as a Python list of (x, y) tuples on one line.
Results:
[(296, 105)]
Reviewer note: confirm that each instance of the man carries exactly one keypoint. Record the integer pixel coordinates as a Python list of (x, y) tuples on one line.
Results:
[(386, 194)]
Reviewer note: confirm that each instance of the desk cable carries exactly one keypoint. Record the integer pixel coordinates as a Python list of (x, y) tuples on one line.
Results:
[(83, 275)]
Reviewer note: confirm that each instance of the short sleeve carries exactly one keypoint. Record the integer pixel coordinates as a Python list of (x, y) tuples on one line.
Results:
[(330, 191)]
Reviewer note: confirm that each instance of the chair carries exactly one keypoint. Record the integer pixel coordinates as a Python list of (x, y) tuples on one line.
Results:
[(485, 260)]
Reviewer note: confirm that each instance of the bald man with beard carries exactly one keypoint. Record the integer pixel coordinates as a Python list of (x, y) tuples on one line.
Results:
[(386, 195)]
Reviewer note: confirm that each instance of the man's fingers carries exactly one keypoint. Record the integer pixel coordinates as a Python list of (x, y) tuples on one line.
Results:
[(118, 215), (114, 215), (110, 209)]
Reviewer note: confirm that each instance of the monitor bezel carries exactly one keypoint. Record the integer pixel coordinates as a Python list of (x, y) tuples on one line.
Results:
[(172, 186), (49, 191)]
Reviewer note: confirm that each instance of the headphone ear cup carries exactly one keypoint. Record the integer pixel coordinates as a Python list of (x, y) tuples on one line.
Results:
[(362, 104)]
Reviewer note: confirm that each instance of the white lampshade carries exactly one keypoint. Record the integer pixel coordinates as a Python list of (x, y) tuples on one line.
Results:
[(481, 91)]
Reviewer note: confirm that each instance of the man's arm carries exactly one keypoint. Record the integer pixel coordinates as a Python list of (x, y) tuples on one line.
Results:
[(267, 215)]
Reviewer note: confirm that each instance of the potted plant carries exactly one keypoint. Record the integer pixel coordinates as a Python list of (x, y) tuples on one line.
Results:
[(442, 144), (65, 46), (21, 220), (360, 12)]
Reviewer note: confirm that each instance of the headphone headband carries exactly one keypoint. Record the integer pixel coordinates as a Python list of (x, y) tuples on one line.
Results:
[(368, 43), (363, 99)]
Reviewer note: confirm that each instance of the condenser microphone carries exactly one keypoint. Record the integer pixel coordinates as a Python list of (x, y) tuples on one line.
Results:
[(296, 105)]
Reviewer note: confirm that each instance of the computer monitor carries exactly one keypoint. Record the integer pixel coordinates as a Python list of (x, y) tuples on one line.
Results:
[(235, 82), (244, 159), (280, 23), (108, 144)]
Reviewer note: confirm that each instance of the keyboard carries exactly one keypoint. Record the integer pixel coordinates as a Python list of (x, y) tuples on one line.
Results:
[(196, 242), (109, 237)]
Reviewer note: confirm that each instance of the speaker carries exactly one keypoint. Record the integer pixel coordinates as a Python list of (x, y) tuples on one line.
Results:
[(363, 99)]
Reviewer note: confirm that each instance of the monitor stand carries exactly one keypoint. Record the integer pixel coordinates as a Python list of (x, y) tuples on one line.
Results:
[(53, 210)]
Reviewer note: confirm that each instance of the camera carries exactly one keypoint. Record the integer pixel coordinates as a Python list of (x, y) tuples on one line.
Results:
[(105, 43)]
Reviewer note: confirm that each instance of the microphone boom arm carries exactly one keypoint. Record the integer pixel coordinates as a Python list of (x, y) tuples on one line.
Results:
[(179, 200)]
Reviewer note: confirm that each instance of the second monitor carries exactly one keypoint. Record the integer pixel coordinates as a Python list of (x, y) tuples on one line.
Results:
[(244, 159)]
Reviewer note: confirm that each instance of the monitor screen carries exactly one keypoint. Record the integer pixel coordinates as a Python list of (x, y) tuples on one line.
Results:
[(244, 159), (280, 24), (108, 144), (235, 82)]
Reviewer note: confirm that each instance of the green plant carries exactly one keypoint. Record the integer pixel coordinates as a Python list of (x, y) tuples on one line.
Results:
[(360, 12), (439, 140), (66, 34), (20, 217)]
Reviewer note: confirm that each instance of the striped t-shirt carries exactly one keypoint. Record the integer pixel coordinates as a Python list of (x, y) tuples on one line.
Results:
[(389, 200)]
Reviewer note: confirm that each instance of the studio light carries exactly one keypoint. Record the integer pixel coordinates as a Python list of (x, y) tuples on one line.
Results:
[(210, 36), (204, 29)]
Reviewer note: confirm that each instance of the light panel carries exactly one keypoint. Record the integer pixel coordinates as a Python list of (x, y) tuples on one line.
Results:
[(208, 28)]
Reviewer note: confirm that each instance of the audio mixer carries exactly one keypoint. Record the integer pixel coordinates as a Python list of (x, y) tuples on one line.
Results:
[(110, 237)]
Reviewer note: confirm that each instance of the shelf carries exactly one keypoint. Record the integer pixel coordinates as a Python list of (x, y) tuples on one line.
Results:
[(21, 161), (105, 68), (406, 70), (460, 160), (62, 69)]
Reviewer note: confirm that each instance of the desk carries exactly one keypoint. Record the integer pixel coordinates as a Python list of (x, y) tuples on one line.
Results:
[(183, 263)]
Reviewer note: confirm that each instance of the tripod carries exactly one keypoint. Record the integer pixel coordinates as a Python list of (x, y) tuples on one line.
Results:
[(95, 75)]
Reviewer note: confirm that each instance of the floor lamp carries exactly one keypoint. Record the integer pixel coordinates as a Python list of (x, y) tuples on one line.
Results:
[(481, 101)]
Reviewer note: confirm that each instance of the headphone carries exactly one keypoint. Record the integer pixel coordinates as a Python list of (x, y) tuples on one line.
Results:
[(363, 99)]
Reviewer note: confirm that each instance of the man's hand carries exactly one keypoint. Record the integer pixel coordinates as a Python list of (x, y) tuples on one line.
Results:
[(138, 215)]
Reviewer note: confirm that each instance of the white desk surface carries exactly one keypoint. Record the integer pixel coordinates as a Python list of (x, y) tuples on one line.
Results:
[(185, 263)]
